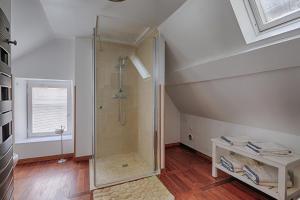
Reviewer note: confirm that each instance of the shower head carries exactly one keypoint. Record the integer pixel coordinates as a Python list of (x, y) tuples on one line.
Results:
[(122, 62)]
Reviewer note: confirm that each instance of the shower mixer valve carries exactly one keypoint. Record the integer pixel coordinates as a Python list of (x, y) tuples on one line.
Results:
[(120, 95)]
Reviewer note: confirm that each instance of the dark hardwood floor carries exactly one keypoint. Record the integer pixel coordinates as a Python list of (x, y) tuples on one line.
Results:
[(187, 176), (52, 181)]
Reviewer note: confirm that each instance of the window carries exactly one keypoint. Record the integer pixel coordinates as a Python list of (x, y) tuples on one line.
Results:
[(49, 107), (263, 19), (271, 13)]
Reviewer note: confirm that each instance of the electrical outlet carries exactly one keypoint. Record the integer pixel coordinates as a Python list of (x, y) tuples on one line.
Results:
[(190, 134)]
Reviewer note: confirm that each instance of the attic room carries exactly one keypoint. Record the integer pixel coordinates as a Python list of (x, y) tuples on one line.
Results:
[(149, 99)]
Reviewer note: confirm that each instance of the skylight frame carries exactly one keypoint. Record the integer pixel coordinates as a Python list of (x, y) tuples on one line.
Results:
[(262, 26)]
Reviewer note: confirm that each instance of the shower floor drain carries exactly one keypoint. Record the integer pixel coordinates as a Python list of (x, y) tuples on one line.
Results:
[(125, 165)]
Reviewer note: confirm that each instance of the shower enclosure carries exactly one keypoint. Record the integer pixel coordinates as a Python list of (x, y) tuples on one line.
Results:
[(126, 136)]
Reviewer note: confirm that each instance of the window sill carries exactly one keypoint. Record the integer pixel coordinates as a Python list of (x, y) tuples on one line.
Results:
[(43, 139)]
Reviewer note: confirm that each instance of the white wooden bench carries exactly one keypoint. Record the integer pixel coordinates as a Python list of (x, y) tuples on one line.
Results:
[(283, 164)]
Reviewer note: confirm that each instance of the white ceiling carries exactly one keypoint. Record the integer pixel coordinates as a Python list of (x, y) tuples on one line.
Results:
[(122, 21), (119, 29), (267, 100), (29, 26), (203, 32), (35, 22), (199, 31)]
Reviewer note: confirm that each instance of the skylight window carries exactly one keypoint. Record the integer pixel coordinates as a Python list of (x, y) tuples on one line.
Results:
[(271, 13), (140, 67)]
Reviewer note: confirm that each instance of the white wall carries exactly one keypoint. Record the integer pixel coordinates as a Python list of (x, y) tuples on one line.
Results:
[(54, 60), (63, 59), (203, 129), (172, 121), (268, 100), (20, 108), (29, 26), (42, 148), (84, 96), (5, 5)]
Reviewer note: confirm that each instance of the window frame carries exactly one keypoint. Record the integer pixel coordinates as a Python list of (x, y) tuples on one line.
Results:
[(286, 19), (48, 84)]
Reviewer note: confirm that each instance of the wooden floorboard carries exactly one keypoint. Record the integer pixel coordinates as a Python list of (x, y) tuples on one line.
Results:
[(187, 176), (52, 181)]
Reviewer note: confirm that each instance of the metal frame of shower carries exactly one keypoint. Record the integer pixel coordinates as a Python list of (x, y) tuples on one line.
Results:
[(156, 99), (94, 101)]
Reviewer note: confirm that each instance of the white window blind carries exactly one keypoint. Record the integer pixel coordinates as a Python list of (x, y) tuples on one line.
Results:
[(274, 9), (271, 13), (48, 107)]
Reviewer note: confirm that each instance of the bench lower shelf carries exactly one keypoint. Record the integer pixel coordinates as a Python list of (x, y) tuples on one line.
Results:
[(273, 192)]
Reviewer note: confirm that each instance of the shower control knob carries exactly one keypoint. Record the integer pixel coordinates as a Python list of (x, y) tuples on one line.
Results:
[(99, 107)]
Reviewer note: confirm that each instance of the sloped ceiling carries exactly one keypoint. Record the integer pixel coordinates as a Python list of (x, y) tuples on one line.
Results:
[(203, 32), (200, 30), (35, 22), (78, 17), (211, 71), (29, 26), (267, 100)]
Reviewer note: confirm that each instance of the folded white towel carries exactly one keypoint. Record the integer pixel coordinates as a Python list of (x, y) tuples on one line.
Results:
[(264, 175), (268, 148), (235, 140), (237, 161)]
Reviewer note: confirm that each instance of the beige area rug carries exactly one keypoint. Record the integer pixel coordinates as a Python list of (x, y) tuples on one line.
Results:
[(145, 189)]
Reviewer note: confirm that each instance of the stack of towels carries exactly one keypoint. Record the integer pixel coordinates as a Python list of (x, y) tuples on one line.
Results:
[(265, 175), (267, 149), (257, 148), (259, 173), (235, 163)]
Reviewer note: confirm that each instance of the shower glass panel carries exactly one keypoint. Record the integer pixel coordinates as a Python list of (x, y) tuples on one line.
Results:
[(124, 112)]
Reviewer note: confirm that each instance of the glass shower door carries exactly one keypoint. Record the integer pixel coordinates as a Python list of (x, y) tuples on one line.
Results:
[(124, 112)]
